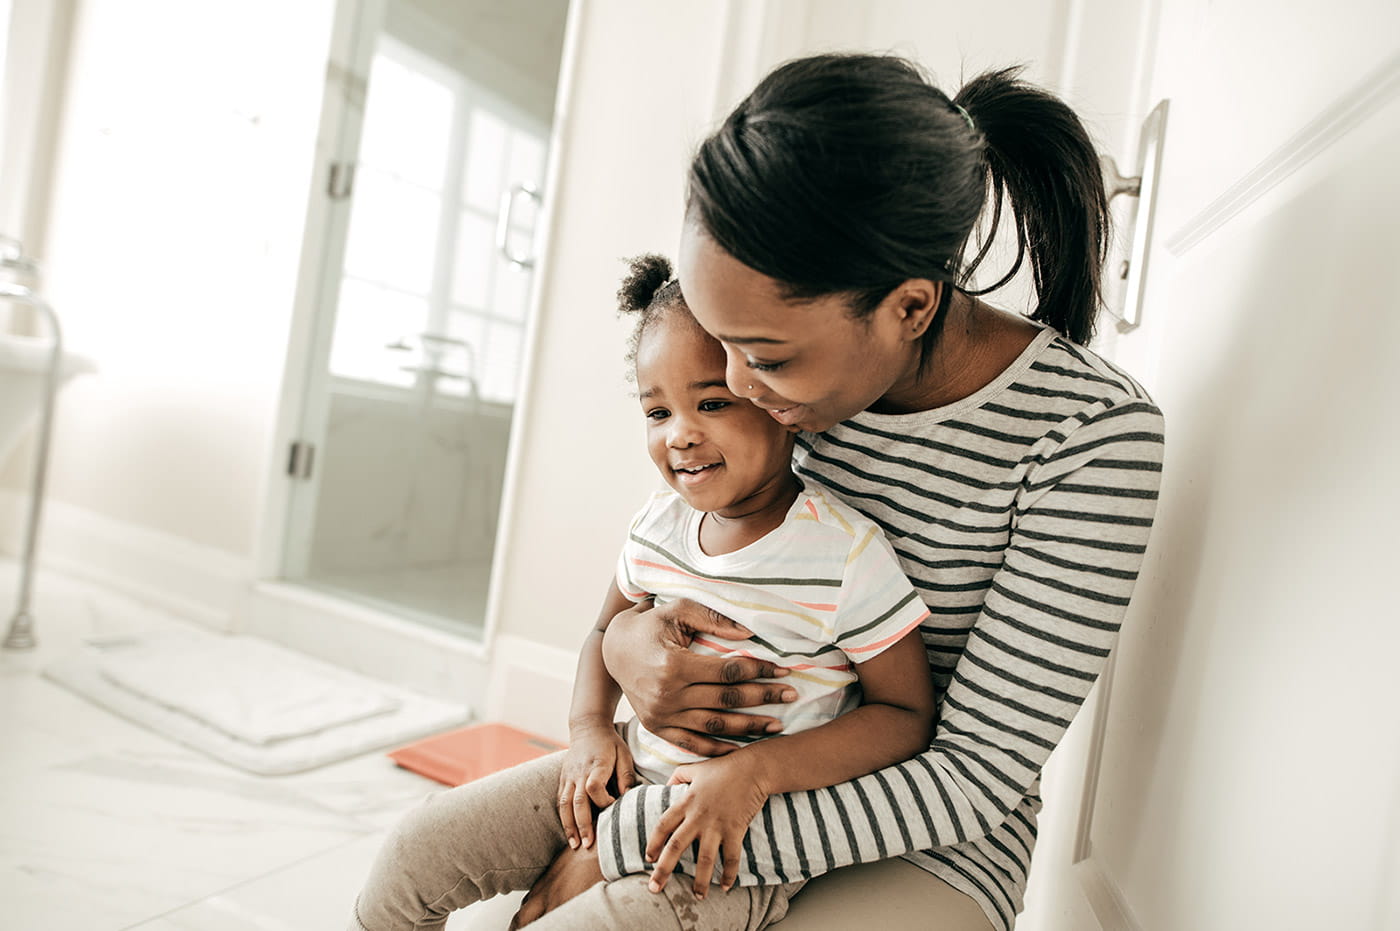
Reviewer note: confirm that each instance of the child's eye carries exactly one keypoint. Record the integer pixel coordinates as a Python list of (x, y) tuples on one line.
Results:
[(712, 406), (765, 366), (658, 413)]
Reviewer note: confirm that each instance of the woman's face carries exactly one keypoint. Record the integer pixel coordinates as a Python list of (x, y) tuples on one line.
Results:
[(809, 363)]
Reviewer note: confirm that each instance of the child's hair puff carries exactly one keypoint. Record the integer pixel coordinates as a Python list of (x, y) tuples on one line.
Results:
[(649, 290)]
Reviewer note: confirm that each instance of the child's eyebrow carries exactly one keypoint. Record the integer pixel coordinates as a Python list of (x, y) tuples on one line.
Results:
[(712, 383)]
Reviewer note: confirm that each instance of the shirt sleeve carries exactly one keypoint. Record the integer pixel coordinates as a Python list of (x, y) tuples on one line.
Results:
[(877, 604), (625, 581), (1051, 616)]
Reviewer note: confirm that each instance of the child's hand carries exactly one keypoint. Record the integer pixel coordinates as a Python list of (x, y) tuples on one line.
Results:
[(726, 793), (597, 756)]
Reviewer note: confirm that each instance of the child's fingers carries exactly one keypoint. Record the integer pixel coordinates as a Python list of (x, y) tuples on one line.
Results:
[(670, 855), (566, 813), (729, 850), (583, 815), (597, 786), (705, 863), (669, 821)]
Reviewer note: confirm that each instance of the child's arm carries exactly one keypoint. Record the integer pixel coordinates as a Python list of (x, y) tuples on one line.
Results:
[(893, 723), (597, 754)]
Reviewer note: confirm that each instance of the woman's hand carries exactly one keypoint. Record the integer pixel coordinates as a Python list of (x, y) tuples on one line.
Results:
[(597, 757), (725, 795), (683, 696), (572, 872)]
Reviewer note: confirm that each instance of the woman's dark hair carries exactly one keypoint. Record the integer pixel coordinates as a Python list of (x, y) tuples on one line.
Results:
[(649, 290), (852, 173)]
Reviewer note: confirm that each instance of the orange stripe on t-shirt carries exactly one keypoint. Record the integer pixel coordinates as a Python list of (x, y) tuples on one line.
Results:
[(890, 639), (815, 607), (665, 568)]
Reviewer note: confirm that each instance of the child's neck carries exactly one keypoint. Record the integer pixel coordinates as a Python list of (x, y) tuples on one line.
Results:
[(748, 521)]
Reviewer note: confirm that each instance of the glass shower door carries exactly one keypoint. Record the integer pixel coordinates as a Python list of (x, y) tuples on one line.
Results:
[(399, 485)]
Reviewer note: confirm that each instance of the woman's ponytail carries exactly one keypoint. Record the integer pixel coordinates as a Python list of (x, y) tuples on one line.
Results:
[(1039, 155)]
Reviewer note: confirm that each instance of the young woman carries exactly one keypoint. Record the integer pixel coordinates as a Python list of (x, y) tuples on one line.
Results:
[(828, 248)]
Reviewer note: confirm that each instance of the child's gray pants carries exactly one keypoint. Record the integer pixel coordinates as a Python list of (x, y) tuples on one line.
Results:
[(499, 834)]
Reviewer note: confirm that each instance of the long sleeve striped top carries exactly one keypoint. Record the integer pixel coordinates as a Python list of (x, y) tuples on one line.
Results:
[(1021, 515)]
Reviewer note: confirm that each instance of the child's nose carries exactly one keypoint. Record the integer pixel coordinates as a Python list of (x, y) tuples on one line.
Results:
[(684, 432)]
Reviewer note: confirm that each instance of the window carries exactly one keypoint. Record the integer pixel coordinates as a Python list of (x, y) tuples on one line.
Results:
[(426, 298)]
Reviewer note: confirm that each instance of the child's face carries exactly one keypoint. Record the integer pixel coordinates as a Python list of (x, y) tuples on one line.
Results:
[(716, 450)]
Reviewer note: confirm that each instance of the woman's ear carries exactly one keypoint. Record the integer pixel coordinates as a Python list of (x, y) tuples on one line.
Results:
[(916, 302)]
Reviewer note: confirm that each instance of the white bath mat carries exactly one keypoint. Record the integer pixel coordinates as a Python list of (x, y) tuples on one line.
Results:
[(248, 702)]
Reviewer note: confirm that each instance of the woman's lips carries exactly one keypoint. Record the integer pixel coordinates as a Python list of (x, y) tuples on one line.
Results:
[(787, 416)]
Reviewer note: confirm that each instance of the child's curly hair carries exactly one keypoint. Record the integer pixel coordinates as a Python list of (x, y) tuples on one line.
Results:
[(649, 290)]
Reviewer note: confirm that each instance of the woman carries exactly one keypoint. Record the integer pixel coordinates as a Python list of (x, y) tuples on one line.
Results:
[(1014, 471)]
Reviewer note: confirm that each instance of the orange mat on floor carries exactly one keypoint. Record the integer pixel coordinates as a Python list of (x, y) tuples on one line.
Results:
[(471, 752)]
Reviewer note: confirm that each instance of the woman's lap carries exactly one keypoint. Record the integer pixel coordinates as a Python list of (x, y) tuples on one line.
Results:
[(891, 895), (500, 833)]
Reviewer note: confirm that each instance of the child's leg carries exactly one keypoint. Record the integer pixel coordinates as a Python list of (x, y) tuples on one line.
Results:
[(494, 835)]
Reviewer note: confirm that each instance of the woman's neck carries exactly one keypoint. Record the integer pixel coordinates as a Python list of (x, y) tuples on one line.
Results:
[(976, 344)]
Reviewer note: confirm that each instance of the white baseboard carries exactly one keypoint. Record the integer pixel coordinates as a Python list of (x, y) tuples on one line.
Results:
[(531, 686), (199, 583), (1105, 898)]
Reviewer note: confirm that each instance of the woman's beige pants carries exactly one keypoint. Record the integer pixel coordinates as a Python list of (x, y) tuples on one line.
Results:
[(499, 834)]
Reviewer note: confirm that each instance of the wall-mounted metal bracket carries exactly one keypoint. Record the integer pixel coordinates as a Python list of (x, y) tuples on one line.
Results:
[(503, 223), (1127, 306)]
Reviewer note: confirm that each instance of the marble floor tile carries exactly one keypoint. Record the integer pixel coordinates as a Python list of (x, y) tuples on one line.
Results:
[(106, 826), (312, 895)]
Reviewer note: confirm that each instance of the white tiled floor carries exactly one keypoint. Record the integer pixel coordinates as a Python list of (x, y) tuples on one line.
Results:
[(106, 826)]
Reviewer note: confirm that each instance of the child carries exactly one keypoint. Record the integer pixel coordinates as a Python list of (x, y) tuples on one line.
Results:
[(815, 581)]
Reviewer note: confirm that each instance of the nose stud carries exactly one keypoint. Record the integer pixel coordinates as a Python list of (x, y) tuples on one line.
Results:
[(750, 387)]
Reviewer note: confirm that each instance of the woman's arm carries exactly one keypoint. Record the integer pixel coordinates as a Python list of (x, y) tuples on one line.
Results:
[(893, 722), (1042, 636)]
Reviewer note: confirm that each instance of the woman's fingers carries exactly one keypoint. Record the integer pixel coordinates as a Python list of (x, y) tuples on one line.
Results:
[(726, 670), (695, 743), (706, 694), (693, 617)]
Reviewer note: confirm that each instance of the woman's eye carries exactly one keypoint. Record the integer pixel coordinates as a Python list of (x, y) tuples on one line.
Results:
[(712, 406), (765, 366)]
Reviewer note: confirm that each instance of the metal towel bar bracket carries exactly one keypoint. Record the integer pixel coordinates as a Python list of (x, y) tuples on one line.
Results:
[(20, 635)]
